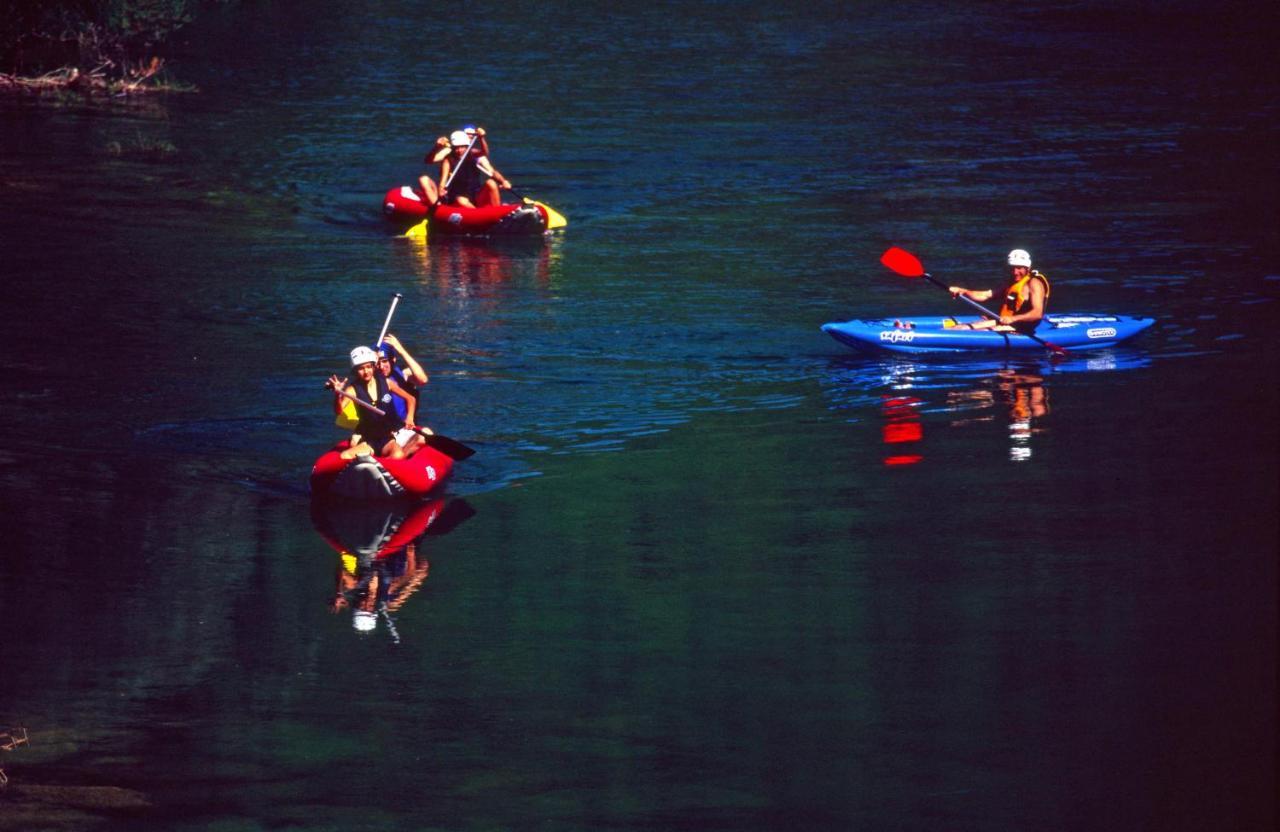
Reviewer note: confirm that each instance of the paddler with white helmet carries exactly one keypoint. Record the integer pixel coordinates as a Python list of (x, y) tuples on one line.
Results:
[(1025, 297), (384, 434), (467, 176)]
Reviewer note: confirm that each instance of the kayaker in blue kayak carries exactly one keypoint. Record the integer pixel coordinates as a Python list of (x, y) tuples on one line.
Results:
[(1025, 298), (383, 434)]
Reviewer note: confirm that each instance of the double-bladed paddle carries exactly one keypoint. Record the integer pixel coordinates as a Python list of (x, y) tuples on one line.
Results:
[(554, 218), (387, 323), (449, 447), (908, 265)]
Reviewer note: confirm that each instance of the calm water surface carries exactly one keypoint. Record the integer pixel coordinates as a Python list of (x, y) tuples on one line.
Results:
[(709, 570)]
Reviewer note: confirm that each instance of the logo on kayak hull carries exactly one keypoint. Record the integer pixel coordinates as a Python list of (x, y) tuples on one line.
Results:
[(1101, 332), (898, 336)]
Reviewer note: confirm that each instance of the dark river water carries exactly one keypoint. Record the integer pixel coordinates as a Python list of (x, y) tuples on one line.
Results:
[(708, 569)]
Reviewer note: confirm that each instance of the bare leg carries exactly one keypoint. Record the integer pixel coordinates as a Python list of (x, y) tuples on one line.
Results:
[(490, 194), (430, 192), (415, 445), (356, 450)]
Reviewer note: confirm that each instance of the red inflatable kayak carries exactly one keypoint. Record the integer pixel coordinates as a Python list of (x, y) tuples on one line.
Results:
[(405, 208), (379, 478), (373, 532)]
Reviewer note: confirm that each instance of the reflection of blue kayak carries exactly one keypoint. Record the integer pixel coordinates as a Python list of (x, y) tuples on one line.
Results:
[(1072, 331)]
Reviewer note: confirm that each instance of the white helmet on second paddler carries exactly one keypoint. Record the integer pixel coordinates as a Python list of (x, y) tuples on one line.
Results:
[(459, 138), (1018, 257), (363, 355)]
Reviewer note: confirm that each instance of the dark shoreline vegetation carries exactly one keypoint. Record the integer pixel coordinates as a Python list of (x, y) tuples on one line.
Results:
[(111, 47), (62, 797)]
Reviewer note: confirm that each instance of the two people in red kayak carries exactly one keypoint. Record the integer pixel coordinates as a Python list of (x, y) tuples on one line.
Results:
[(385, 411), (467, 176), (1025, 297)]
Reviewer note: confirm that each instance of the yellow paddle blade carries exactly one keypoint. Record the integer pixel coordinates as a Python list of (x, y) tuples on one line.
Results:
[(418, 232), (555, 219)]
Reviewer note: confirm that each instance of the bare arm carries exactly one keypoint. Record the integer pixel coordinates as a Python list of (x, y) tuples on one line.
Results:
[(339, 387), (440, 152), (974, 294), (416, 372), (335, 384), (411, 402), (486, 167)]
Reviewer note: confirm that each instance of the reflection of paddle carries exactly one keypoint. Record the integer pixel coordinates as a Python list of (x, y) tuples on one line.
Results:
[(908, 265), (391, 625), (449, 447)]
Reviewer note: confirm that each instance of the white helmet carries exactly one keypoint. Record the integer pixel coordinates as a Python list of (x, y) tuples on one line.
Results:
[(1018, 257), (459, 138), (364, 621), (363, 355)]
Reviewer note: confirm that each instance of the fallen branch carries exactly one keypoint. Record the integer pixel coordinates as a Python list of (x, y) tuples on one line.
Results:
[(13, 738), (141, 79), (9, 740)]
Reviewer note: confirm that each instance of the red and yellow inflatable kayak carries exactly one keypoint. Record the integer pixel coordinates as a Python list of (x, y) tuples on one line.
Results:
[(405, 208)]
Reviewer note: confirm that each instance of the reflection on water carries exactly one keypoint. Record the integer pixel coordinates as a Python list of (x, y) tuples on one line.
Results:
[(462, 263), (1021, 395), (381, 554), (901, 427), (903, 392)]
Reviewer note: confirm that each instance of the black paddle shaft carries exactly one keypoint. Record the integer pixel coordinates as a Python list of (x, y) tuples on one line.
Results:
[(443, 444), (993, 316), (984, 310)]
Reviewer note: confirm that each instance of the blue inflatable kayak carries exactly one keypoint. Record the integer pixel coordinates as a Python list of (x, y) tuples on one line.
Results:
[(1072, 331)]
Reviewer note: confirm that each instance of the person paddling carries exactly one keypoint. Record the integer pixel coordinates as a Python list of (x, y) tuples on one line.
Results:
[(395, 363), (383, 434), (467, 177), (426, 185), (491, 193), (1025, 298)]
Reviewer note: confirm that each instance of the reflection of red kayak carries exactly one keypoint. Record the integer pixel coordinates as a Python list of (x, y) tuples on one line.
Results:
[(379, 478), (405, 208), (353, 529)]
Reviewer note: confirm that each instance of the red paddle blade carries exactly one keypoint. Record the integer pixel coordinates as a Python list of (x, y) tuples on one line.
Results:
[(903, 262)]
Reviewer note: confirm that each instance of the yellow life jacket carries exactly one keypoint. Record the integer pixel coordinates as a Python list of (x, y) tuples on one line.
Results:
[(1017, 298)]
